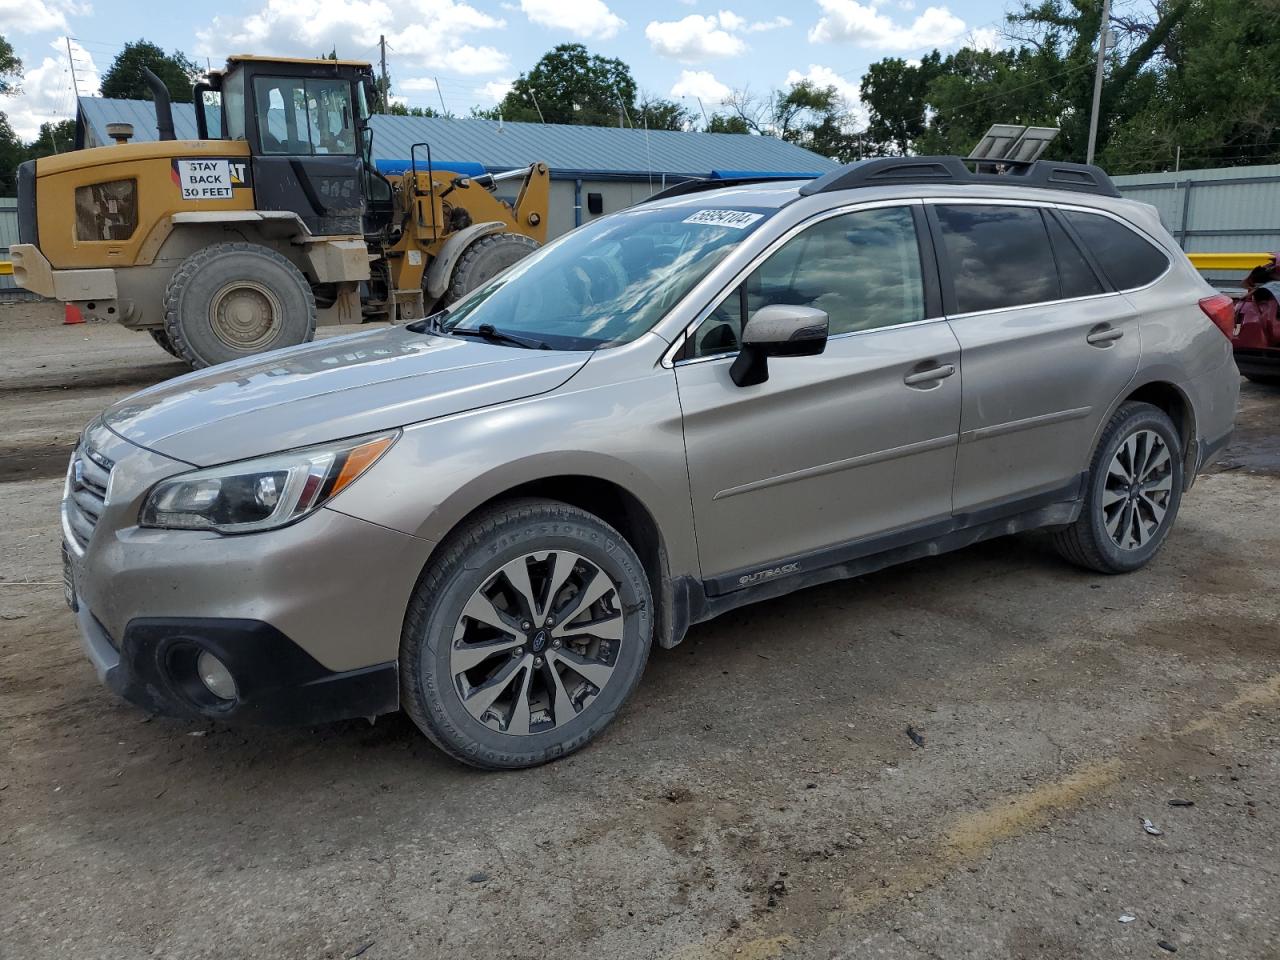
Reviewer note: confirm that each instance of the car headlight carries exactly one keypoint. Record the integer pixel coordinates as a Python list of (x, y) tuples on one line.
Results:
[(263, 493)]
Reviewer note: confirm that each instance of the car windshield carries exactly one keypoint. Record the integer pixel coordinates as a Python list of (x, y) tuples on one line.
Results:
[(609, 281)]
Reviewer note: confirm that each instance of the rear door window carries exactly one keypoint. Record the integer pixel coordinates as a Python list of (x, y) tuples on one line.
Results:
[(1127, 259), (1000, 256), (1074, 273)]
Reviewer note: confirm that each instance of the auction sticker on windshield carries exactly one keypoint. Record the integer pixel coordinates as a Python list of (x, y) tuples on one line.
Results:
[(737, 219)]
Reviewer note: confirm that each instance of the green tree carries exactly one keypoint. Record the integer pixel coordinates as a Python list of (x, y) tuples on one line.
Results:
[(10, 68), (895, 94), (571, 85), (57, 136), (730, 123), (655, 113), (1213, 101), (804, 114), (124, 79), (399, 109)]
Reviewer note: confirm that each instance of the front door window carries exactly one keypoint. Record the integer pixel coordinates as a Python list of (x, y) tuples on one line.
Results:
[(299, 117)]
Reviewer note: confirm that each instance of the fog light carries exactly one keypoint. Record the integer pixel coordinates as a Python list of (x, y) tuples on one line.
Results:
[(215, 676)]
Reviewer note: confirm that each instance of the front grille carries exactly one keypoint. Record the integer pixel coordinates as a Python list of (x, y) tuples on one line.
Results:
[(87, 480)]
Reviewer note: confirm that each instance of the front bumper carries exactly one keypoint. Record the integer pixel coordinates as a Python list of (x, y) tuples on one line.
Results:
[(32, 271), (277, 682)]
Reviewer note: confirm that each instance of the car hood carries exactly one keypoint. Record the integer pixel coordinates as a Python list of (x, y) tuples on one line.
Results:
[(334, 388)]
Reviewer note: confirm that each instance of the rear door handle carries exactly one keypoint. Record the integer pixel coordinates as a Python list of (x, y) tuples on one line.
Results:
[(940, 372), (1103, 335)]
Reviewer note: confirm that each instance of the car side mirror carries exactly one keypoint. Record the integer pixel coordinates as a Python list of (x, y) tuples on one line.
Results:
[(778, 330)]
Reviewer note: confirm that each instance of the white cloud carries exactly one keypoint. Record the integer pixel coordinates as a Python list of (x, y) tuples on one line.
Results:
[(847, 21), (777, 23), (495, 90), (582, 18), (697, 38), (983, 38), (426, 33), (37, 16), (47, 95), (823, 77), (702, 84), (693, 39)]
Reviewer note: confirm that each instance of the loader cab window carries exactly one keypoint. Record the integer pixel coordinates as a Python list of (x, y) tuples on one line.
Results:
[(233, 106), (299, 117), (210, 106)]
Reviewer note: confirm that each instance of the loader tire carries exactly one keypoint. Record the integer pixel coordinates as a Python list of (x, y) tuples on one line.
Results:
[(484, 260), (163, 342), (234, 300)]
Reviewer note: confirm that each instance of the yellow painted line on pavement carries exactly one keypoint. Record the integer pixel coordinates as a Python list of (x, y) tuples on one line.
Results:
[(972, 836)]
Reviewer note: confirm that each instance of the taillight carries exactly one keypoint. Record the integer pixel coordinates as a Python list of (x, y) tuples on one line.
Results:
[(1221, 309)]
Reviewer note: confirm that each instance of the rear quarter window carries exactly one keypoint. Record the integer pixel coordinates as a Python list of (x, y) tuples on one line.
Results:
[(1128, 259)]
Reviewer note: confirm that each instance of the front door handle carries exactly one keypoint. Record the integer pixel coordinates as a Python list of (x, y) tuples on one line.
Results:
[(1103, 335), (940, 372)]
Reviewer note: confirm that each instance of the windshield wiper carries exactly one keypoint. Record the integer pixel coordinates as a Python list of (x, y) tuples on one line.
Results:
[(487, 331)]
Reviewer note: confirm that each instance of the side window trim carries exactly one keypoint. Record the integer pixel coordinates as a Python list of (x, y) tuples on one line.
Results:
[(944, 268), (930, 271), (946, 276), (677, 353)]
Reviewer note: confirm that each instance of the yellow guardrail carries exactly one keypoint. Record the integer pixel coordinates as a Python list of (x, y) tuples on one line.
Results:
[(6, 268), (1228, 261)]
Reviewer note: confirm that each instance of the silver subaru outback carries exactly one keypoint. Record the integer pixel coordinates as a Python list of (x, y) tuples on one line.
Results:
[(489, 517)]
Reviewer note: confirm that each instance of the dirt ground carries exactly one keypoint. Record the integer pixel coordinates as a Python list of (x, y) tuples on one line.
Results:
[(759, 798)]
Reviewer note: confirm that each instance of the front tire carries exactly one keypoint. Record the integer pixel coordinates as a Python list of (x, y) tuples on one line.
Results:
[(484, 260), (525, 636), (233, 300), (1133, 493)]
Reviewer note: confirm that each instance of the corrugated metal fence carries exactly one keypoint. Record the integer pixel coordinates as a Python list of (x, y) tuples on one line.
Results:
[(9, 291), (1223, 210)]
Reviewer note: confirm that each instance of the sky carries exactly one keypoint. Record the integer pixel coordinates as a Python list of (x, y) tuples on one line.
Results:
[(466, 52)]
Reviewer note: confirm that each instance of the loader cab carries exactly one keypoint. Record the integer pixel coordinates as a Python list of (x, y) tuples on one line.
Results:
[(306, 123)]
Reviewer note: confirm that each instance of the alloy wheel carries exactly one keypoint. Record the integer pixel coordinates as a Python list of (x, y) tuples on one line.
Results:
[(1137, 490), (536, 642)]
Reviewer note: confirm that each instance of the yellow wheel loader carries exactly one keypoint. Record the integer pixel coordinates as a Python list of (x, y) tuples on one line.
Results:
[(275, 219)]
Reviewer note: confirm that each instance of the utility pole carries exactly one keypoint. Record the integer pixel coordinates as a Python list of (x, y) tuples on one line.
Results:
[(71, 62), (1177, 160), (704, 111), (1103, 33), (386, 86), (443, 109)]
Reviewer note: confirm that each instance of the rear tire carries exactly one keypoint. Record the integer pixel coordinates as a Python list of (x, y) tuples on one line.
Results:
[(234, 300), (484, 260), (1132, 494), (163, 342), (525, 635)]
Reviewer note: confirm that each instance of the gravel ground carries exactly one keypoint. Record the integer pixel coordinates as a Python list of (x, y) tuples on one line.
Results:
[(759, 798)]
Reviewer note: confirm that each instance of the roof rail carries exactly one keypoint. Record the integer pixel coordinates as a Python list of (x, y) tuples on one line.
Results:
[(889, 171), (699, 184)]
